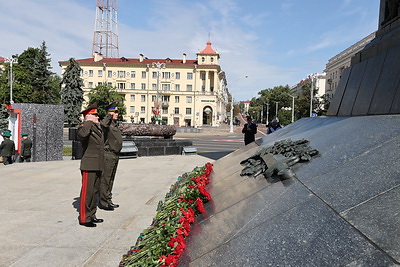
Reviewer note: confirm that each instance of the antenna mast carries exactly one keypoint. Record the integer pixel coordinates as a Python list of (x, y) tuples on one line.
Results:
[(105, 38)]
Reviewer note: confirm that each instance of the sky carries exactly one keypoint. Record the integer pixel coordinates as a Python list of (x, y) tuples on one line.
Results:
[(272, 42)]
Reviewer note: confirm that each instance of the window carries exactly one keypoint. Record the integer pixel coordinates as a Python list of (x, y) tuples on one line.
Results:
[(132, 85), (132, 109), (132, 98), (176, 99), (133, 74), (153, 98), (109, 83), (154, 86), (166, 75), (142, 109), (176, 111), (203, 88), (90, 73), (188, 99), (154, 75), (143, 74), (99, 73), (166, 87), (121, 86), (189, 76), (203, 59), (203, 76), (189, 87), (177, 75), (109, 74), (99, 83), (121, 74), (143, 98), (188, 111), (143, 86), (164, 110), (90, 85), (177, 87), (212, 59)]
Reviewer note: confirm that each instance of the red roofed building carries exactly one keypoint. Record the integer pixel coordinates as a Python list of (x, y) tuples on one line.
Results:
[(187, 92)]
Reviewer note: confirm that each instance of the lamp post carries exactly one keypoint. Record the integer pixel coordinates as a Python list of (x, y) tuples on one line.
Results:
[(11, 78), (231, 124), (292, 108), (276, 112), (312, 77), (267, 113), (158, 66)]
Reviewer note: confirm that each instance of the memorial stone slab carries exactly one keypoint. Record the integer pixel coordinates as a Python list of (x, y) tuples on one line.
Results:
[(357, 73), (337, 99), (368, 85)]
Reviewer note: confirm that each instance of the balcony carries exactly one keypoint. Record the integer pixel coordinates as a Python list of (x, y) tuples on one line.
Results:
[(164, 104)]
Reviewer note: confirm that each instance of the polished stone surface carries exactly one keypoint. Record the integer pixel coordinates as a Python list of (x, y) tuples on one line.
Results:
[(44, 125), (337, 99), (341, 210)]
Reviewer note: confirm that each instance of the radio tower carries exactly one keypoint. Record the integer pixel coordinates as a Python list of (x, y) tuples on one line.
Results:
[(105, 39)]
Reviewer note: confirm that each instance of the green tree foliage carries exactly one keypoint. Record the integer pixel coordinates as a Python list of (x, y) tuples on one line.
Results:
[(25, 82), (104, 95), (72, 93), (43, 92)]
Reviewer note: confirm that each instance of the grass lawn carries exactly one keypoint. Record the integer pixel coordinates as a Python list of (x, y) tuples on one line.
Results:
[(67, 151)]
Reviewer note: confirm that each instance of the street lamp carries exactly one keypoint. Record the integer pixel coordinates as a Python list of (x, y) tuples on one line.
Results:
[(312, 77), (276, 112), (11, 78), (292, 108), (231, 124), (158, 66)]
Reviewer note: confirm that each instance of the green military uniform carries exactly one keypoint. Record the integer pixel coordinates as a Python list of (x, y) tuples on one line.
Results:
[(26, 146), (91, 137), (7, 148), (112, 147)]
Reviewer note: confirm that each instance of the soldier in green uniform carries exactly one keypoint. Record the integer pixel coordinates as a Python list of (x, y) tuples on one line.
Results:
[(112, 147), (26, 146), (7, 148), (91, 137)]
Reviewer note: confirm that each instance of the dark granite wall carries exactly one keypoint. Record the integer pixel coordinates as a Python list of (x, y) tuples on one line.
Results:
[(44, 125)]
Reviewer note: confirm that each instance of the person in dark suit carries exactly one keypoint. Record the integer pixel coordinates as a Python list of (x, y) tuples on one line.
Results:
[(90, 135), (7, 148), (112, 147), (26, 146), (249, 130)]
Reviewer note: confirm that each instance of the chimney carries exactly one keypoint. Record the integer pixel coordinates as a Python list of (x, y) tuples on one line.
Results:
[(184, 58), (141, 58), (97, 56)]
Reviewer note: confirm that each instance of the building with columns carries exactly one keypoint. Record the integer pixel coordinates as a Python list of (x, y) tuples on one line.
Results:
[(186, 92)]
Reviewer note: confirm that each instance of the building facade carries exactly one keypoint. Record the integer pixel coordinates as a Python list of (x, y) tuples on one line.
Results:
[(184, 92), (337, 64)]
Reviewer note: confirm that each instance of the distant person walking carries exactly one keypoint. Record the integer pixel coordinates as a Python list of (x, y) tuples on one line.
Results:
[(91, 137), (112, 147), (26, 146), (249, 130), (273, 126), (7, 148)]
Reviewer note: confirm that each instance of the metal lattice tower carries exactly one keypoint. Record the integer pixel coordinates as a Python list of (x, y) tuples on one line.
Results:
[(105, 39)]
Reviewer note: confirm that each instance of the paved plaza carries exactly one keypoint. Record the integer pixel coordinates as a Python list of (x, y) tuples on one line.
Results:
[(39, 216)]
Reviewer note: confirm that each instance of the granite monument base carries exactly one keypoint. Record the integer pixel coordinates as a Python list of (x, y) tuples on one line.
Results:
[(341, 210), (148, 146)]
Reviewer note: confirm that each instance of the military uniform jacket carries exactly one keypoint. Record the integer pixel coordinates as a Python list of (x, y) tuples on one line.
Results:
[(91, 137), (112, 135), (26, 145), (7, 148)]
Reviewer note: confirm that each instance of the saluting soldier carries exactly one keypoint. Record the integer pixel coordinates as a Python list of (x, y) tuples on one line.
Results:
[(26, 146), (91, 137), (7, 148), (112, 147)]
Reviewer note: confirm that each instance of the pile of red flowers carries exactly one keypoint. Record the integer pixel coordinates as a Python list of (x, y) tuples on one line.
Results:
[(164, 241)]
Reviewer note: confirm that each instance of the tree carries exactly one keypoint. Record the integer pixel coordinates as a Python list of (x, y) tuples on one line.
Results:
[(43, 93), (104, 95), (72, 93), (3, 117)]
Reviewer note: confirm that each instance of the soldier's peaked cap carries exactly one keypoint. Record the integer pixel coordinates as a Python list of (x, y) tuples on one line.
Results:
[(112, 106), (92, 109)]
